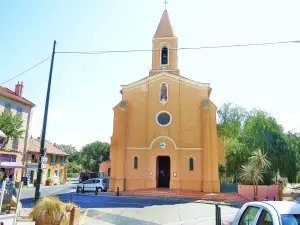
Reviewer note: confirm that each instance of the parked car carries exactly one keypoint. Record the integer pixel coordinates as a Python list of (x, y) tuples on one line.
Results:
[(268, 213), (105, 183), (91, 185)]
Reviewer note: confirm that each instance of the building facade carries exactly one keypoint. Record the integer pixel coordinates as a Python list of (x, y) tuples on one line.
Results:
[(56, 167), (14, 150), (164, 133)]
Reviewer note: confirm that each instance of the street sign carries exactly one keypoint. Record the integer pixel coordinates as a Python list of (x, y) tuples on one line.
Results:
[(44, 160)]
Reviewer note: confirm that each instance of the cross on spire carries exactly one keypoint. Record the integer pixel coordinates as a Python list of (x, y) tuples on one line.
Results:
[(166, 2)]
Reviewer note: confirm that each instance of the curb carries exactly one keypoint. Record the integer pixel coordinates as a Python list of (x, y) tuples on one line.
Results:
[(166, 198), (138, 197), (219, 203)]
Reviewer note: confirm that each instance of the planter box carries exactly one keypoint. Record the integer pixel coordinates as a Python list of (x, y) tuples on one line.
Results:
[(75, 216)]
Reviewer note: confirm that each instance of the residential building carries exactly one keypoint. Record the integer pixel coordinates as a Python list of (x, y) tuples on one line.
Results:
[(55, 168), (164, 132), (14, 150), (104, 168)]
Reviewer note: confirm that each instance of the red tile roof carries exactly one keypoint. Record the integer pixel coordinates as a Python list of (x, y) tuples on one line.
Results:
[(34, 146), (5, 92)]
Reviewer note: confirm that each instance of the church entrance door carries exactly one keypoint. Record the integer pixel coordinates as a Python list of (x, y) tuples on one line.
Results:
[(163, 166)]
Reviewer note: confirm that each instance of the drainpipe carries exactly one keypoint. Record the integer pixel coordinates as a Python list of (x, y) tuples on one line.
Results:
[(24, 158)]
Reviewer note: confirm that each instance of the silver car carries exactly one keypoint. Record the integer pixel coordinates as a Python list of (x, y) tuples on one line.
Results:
[(268, 213)]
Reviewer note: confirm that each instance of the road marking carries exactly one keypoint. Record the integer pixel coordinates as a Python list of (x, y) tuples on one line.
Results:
[(129, 203), (84, 215), (90, 218), (199, 219)]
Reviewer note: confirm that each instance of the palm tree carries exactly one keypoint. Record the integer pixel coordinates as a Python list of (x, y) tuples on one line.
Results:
[(253, 170)]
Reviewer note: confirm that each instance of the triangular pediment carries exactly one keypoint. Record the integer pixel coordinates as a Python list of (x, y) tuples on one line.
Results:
[(169, 76)]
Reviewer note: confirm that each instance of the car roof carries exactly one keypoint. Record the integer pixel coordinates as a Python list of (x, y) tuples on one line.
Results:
[(282, 207), (285, 207)]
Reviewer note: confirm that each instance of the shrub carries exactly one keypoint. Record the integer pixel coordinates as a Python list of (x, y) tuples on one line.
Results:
[(51, 211)]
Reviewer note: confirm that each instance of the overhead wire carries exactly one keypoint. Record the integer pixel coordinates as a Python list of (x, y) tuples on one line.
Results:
[(178, 49), (26, 70), (151, 50)]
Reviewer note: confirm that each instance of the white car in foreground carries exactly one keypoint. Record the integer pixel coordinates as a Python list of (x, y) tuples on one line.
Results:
[(268, 213)]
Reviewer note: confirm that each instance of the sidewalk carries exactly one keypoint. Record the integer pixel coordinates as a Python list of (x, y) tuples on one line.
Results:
[(161, 197)]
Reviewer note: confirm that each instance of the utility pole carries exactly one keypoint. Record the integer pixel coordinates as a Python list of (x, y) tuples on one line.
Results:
[(42, 149)]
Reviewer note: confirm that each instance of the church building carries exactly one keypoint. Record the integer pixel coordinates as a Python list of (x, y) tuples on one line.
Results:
[(164, 133)]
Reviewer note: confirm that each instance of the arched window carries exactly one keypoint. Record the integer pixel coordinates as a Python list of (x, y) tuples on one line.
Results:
[(108, 172), (164, 56), (135, 164), (191, 161), (163, 92)]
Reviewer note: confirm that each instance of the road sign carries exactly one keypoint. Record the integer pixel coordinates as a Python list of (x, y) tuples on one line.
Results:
[(44, 160)]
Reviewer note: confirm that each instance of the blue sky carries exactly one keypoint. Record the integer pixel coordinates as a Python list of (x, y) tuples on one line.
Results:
[(85, 88)]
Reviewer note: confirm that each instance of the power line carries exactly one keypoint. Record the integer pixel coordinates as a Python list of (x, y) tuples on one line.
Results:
[(178, 49), (294, 128), (26, 70), (152, 50)]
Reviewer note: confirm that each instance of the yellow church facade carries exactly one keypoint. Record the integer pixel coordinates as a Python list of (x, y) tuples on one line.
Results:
[(164, 133)]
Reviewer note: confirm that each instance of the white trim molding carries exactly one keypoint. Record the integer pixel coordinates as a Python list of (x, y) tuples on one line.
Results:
[(161, 125), (191, 157), (161, 47), (169, 76), (163, 137), (163, 102), (136, 155)]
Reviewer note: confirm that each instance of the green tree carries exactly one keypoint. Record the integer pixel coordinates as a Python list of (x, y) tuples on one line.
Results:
[(230, 122), (94, 153), (72, 151), (74, 169), (11, 125)]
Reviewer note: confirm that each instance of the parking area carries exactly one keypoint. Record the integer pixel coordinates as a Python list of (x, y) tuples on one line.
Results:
[(108, 210)]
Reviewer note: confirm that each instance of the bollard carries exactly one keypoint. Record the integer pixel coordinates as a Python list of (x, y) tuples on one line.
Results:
[(82, 191), (274, 198), (267, 198), (117, 191), (96, 191), (71, 199), (218, 215)]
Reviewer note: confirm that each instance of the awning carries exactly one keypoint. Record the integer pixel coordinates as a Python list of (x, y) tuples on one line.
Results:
[(2, 134), (11, 165)]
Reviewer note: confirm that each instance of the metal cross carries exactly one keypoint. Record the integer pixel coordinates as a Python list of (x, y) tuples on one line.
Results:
[(166, 2)]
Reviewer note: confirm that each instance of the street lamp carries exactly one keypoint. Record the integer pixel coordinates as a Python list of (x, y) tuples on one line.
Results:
[(3, 139)]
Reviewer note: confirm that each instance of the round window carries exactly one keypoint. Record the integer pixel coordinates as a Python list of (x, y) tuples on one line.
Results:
[(163, 118)]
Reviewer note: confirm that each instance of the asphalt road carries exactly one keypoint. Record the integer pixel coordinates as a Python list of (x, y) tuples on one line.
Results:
[(29, 192), (108, 210)]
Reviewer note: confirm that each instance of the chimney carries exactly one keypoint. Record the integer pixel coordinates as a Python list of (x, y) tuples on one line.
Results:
[(19, 89)]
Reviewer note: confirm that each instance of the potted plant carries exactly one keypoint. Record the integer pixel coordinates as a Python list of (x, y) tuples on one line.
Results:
[(48, 181), (52, 211)]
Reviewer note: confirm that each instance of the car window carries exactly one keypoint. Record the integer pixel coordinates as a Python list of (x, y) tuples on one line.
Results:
[(249, 215), (290, 219), (88, 182), (265, 218), (97, 181)]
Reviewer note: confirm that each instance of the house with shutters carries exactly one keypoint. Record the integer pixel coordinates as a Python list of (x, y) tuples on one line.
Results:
[(15, 150), (56, 167)]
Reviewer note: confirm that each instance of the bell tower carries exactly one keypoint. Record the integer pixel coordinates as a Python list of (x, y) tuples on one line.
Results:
[(164, 46)]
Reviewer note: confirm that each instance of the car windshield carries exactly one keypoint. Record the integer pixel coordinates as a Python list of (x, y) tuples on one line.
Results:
[(290, 219)]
